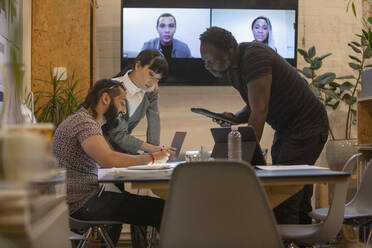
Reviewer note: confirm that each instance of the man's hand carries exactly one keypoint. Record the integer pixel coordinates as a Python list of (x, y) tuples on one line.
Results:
[(224, 123), (170, 150)]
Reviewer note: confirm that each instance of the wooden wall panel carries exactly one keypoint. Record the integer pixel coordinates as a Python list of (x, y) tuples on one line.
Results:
[(61, 38)]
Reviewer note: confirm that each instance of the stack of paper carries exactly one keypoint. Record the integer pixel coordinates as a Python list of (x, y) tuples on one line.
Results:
[(289, 167)]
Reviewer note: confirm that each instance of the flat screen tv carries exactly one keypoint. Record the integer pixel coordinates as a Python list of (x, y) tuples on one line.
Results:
[(139, 31)]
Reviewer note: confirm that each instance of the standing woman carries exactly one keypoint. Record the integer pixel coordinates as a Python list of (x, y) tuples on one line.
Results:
[(141, 81), (262, 31)]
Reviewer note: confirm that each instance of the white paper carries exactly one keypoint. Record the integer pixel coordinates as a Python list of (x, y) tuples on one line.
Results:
[(149, 167), (290, 167), (124, 172)]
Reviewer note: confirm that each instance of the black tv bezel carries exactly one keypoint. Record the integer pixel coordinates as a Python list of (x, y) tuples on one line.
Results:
[(188, 76)]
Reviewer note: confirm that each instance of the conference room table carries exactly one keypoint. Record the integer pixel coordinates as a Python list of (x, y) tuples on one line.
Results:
[(278, 184)]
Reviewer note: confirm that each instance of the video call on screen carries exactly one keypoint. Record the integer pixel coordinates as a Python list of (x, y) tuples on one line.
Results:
[(139, 26)]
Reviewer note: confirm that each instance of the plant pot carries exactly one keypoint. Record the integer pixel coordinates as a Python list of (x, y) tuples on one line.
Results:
[(339, 151)]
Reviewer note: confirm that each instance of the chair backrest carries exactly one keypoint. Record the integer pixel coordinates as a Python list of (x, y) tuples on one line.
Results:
[(362, 198), (217, 204), (333, 223)]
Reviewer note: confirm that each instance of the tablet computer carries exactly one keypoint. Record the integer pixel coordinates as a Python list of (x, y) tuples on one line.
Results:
[(214, 115), (251, 150)]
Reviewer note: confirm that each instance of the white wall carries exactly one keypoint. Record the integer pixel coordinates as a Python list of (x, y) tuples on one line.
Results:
[(324, 24)]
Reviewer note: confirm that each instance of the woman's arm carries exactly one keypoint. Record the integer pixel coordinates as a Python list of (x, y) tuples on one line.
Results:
[(153, 118), (120, 138)]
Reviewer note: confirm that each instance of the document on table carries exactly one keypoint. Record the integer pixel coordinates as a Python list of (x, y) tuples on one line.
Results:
[(124, 172), (147, 171), (168, 165), (290, 167)]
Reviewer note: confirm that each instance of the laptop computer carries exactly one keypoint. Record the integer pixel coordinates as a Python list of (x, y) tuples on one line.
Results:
[(177, 143), (251, 150)]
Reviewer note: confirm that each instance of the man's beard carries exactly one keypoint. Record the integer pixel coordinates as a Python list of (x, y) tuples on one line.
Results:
[(111, 116)]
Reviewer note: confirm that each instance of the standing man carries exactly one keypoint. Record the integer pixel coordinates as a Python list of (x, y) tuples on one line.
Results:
[(170, 47), (274, 92)]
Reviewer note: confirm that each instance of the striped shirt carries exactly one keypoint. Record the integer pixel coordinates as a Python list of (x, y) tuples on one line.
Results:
[(81, 170)]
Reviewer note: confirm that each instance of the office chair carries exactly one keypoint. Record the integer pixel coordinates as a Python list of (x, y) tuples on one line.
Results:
[(332, 219), (319, 233), (87, 228), (359, 210), (217, 204)]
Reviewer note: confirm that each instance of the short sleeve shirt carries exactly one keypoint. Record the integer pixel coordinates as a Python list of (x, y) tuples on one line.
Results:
[(292, 106), (81, 170)]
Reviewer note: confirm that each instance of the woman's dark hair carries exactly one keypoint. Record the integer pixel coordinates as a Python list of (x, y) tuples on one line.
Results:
[(219, 37), (269, 40), (104, 85), (151, 57)]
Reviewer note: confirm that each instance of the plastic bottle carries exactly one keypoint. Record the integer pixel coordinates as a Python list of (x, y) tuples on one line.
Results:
[(234, 144)]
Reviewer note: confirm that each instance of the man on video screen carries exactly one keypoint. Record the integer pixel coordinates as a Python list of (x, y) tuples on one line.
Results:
[(170, 47)]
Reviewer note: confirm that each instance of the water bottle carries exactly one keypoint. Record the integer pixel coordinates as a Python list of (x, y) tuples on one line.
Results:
[(234, 144)]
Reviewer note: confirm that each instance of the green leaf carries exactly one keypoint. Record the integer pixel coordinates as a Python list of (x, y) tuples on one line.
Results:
[(355, 66), (315, 91), (367, 66), (354, 48), (346, 77), (369, 20), (330, 94), (308, 72), (364, 38), (355, 58), (353, 8), (316, 64), (334, 84), (325, 56), (334, 106), (325, 78), (348, 99), (346, 86), (311, 51), (367, 53), (303, 53), (356, 44)]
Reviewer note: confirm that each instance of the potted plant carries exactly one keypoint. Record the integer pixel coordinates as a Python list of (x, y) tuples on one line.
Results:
[(330, 91), (61, 100)]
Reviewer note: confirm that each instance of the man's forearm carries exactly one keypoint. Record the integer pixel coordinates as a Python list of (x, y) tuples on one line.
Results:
[(243, 115), (257, 120)]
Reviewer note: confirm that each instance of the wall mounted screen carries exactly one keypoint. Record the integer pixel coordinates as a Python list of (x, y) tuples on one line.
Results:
[(140, 30)]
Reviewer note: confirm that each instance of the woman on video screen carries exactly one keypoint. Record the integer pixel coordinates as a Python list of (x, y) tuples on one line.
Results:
[(262, 31)]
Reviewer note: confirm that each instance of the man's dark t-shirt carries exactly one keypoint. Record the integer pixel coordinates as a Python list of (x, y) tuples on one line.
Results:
[(293, 108), (167, 51)]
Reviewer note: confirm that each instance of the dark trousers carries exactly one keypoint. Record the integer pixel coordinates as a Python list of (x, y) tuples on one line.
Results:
[(124, 207), (292, 150)]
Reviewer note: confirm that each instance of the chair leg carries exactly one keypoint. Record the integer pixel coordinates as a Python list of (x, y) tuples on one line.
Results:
[(152, 237), (106, 237), (86, 235)]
